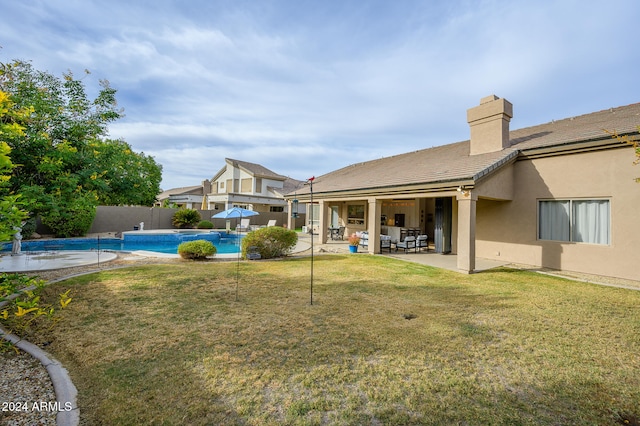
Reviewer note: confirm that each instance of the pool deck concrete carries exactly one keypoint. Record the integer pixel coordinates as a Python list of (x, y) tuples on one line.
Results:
[(60, 259), (46, 261)]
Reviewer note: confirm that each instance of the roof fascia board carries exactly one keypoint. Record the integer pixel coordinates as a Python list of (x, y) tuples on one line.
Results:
[(390, 192), (270, 177), (483, 174), (571, 148), (220, 173), (241, 166)]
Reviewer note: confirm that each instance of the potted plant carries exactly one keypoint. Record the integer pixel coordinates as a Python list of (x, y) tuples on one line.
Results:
[(354, 240)]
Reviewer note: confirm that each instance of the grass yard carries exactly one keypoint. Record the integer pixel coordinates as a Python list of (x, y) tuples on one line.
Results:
[(386, 342)]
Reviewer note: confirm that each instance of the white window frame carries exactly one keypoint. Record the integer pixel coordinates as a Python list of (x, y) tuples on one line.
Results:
[(313, 217), (602, 237)]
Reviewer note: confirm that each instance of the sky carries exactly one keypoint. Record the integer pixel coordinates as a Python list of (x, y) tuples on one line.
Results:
[(307, 87)]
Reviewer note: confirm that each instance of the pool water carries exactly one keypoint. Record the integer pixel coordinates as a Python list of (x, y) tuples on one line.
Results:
[(160, 243)]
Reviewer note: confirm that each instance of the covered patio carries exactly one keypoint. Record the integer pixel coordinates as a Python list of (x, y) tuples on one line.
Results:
[(429, 258), (445, 213)]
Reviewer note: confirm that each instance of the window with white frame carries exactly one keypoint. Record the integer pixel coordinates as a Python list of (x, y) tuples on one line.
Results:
[(355, 214), (314, 215), (581, 221)]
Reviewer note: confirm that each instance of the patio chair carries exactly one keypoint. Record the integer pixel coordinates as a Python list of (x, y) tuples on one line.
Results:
[(253, 253), (364, 238), (272, 222), (244, 225), (409, 243), (385, 243), (422, 242), (337, 233)]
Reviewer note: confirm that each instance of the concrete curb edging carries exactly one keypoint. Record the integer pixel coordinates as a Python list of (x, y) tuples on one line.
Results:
[(66, 393)]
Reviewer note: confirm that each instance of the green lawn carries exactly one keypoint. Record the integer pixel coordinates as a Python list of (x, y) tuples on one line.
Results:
[(168, 344)]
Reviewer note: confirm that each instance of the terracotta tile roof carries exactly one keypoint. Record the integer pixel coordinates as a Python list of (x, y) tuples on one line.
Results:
[(624, 119), (452, 162), (255, 169), (291, 185), (195, 190), (439, 164)]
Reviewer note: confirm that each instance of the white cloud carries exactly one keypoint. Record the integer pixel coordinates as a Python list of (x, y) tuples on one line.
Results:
[(314, 88)]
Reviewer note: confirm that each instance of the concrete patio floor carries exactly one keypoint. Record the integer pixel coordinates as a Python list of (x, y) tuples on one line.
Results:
[(430, 258)]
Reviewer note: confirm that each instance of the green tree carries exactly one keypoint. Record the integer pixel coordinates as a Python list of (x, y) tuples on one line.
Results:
[(121, 176), (64, 162), (11, 215)]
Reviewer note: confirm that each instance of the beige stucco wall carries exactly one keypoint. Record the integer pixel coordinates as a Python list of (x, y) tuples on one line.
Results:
[(507, 230), (498, 186)]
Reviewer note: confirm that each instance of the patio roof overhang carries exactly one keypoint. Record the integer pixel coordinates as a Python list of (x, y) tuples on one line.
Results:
[(441, 187), (404, 191)]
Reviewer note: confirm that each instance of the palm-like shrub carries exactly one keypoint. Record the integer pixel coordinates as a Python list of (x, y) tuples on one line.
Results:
[(270, 242), (196, 250), (186, 218)]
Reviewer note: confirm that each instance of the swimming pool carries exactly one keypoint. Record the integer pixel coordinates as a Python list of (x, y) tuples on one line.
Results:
[(132, 241)]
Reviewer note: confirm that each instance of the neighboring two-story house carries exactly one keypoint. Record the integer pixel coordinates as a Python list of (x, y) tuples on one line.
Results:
[(247, 185), (188, 197), (237, 184)]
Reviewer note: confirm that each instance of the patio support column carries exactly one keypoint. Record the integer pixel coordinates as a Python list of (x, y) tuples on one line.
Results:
[(466, 231), (373, 225), (322, 222), (290, 224)]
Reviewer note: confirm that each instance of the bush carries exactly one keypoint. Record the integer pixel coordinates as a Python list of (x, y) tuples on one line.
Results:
[(185, 218), (197, 250), (29, 228), (205, 224), (70, 217), (25, 312), (273, 241)]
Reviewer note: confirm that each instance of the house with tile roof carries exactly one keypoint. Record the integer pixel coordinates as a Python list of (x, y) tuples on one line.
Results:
[(560, 195), (187, 196), (247, 185), (236, 184)]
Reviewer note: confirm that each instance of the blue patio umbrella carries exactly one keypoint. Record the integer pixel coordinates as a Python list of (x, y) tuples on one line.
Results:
[(235, 213)]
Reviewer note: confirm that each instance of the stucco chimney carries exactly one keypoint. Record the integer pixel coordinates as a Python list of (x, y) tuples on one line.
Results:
[(489, 123), (206, 187)]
